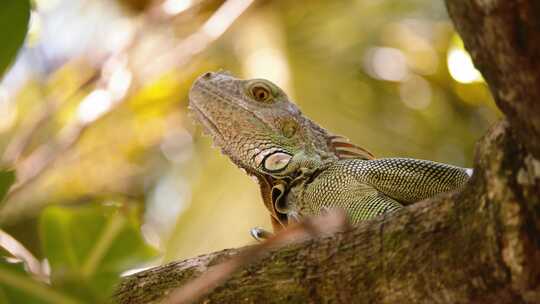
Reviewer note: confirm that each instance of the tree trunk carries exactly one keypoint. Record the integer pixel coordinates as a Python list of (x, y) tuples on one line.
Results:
[(480, 245), (503, 38)]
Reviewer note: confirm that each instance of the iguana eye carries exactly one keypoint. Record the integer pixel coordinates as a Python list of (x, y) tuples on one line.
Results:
[(277, 161), (260, 92)]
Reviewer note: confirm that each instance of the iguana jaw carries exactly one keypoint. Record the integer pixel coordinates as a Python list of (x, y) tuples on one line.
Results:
[(213, 130)]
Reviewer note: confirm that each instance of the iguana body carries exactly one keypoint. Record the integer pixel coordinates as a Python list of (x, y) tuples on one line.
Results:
[(367, 188), (302, 169)]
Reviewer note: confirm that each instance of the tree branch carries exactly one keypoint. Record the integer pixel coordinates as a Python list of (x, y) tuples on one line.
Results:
[(479, 245)]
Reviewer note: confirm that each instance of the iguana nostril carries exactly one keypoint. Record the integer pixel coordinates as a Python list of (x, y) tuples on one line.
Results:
[(207, 75)]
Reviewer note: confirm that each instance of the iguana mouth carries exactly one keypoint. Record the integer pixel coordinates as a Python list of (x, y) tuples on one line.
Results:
[(206, 122)]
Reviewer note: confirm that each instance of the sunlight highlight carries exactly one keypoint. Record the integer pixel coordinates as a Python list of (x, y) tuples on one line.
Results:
[(261, 44), (46, 5), (94, 105), (173, 7), (8, 111), (119, 82), (461, 67), (224, 17), (267, 63), (34, 29)]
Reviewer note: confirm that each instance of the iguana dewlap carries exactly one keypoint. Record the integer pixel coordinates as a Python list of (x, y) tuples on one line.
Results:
[(303, 169)]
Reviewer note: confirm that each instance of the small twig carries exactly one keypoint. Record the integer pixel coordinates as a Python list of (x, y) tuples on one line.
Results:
[(18, 250), (326, 224), (109, 234)]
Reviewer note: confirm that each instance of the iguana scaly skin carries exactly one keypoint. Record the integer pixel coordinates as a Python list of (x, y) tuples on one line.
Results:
[(303, 169)]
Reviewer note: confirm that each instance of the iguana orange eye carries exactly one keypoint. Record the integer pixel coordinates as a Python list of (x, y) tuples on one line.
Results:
[(260, 93)]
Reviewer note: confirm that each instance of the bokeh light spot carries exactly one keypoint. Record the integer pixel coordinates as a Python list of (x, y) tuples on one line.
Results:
[(461, 67), (415, 92), (34, 29), (174, 7), (94, 105), (386, 64), (8, 111), (267, 63)]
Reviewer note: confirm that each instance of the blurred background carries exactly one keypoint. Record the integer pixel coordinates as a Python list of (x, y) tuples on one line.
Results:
[(111, 173)]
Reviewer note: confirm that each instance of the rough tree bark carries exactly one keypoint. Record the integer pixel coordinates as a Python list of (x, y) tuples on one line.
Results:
[(480, 245)]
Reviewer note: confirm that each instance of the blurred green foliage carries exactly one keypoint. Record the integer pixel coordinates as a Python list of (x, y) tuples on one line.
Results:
[(14, 17), (19, 287), (7, 178), (89, 246), (112, 175)]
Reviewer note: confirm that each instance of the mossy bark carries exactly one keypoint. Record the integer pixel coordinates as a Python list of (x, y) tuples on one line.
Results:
[(481, 245)]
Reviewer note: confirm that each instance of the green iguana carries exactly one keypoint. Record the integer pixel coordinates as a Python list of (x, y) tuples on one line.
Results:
[(303, 169)]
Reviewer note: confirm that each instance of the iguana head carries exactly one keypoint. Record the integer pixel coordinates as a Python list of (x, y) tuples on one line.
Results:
[(262, 131), (259, 128)]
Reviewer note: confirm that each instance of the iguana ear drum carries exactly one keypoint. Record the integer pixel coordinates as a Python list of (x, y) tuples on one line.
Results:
[(276, 161)]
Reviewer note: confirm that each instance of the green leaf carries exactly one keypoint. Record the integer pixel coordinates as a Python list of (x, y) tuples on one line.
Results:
[(16, 286), (14, 17), (12, 278), (89, 246), (7, 178)]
